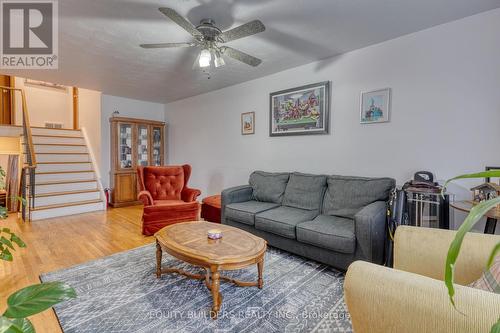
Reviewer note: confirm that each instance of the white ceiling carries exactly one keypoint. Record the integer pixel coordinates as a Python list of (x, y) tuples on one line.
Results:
[(98, 40)]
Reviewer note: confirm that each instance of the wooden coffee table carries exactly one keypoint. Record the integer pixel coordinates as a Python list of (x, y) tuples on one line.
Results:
[(188, 242)]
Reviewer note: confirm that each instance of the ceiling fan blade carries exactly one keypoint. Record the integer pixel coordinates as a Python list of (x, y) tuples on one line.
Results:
[(241, 56), (166, 45), (185, 24), (247, 29)]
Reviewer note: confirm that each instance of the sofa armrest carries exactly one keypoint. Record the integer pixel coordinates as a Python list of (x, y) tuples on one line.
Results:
[(370, 231), (423, 251), (382, 300), (146, 198), (190, 194), (234, 194)]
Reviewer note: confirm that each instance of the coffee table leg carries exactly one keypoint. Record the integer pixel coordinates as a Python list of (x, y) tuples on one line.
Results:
[(217, 298), (260, 268), (158, 260)]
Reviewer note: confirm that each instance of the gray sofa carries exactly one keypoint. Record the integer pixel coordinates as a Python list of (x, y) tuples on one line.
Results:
[(331, 219)]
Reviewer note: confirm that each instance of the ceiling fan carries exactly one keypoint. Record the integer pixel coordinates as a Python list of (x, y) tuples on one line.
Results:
[(208, 38)]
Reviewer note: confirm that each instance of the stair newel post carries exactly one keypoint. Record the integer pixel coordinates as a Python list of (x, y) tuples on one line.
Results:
[(24, 187), (32, 190)]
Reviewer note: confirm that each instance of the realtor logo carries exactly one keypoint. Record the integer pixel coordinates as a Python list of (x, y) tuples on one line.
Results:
[(29, 32)]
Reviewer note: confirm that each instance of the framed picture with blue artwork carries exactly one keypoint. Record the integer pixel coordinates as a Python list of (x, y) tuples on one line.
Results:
[(375, 106)]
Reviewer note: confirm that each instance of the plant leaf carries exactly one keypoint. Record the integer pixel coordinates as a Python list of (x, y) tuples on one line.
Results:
[(476, 213), (37, 298), (17, 240), (7, 242), (493, 254), (7, 325), (6, 255), (496, 328), (483, 174), (24, 324)]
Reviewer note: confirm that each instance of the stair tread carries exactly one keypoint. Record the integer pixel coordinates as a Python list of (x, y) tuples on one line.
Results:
[(56, 172), (56, 129), (61, 153), (60, 144), (65, 162), (58, 182), (78, 203), (53, 194), (58, 136)]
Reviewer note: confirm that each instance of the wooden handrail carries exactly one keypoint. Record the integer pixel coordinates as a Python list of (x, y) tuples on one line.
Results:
[(26, 126)]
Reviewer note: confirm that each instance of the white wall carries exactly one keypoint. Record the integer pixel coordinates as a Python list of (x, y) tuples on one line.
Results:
[(128, 108), (89, 117), (445, 113), (45, 104)]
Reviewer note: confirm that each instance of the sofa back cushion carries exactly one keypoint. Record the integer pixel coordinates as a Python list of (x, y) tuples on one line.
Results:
[(305, 191), (345, 195), (164, 183), (268, 186)]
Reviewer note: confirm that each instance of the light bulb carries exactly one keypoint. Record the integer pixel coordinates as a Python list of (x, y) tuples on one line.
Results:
[(205, 58), (219, 61)]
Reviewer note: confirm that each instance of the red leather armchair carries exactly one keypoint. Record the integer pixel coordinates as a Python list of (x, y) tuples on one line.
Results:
[(166, 197)]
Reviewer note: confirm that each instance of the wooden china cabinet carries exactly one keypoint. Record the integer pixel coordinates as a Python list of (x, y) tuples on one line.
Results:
[(134, 142)]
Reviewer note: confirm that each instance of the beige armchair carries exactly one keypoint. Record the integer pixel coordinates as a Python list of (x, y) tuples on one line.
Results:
[(412, 297)]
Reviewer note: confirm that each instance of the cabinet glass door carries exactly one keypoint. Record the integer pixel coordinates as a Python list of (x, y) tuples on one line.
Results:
[(125, 145), (142, 145), (157, 143)]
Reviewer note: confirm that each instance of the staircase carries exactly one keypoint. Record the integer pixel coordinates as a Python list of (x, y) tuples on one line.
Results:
[(65, 180)]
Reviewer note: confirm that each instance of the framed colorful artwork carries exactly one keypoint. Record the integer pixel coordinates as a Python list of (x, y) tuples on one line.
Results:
[(300, 111), (248, 123), (375, 106)]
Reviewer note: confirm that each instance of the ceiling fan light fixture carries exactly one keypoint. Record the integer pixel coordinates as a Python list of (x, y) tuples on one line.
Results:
[(219, 61), (205, 58), (207, 37)]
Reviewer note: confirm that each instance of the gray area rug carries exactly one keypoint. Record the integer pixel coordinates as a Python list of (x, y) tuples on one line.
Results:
[(121, 293)]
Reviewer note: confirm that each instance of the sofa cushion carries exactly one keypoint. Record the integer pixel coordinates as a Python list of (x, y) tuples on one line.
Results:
[(268, 186), (329, 232), (305, 191), (282, 220), (345, 196), (244, 212)]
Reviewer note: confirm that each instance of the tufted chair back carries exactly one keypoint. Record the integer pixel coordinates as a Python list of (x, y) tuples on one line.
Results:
[(164, 182)]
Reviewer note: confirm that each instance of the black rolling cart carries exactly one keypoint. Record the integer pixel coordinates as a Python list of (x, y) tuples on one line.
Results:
[(418, 203)]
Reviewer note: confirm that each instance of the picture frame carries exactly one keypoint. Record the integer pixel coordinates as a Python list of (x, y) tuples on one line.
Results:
[(303, 110), (488, 179), (375, 106), (248, 123)]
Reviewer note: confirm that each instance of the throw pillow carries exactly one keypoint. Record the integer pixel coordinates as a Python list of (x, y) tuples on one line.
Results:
[(305, 191), (490, 280), (346, 195), (268, 186)]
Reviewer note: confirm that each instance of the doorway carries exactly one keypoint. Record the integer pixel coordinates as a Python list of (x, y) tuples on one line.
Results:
[(6, 101), (10, 172)]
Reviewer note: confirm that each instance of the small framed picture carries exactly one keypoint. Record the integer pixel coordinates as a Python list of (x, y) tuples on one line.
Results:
[(492, 180), (248, 123), (375, 106)]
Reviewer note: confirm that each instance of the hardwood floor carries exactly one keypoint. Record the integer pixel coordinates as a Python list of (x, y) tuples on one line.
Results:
[(58, 243)]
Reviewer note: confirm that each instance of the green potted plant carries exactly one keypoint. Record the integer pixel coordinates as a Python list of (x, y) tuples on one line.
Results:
[(476, 213), (29, 300)]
